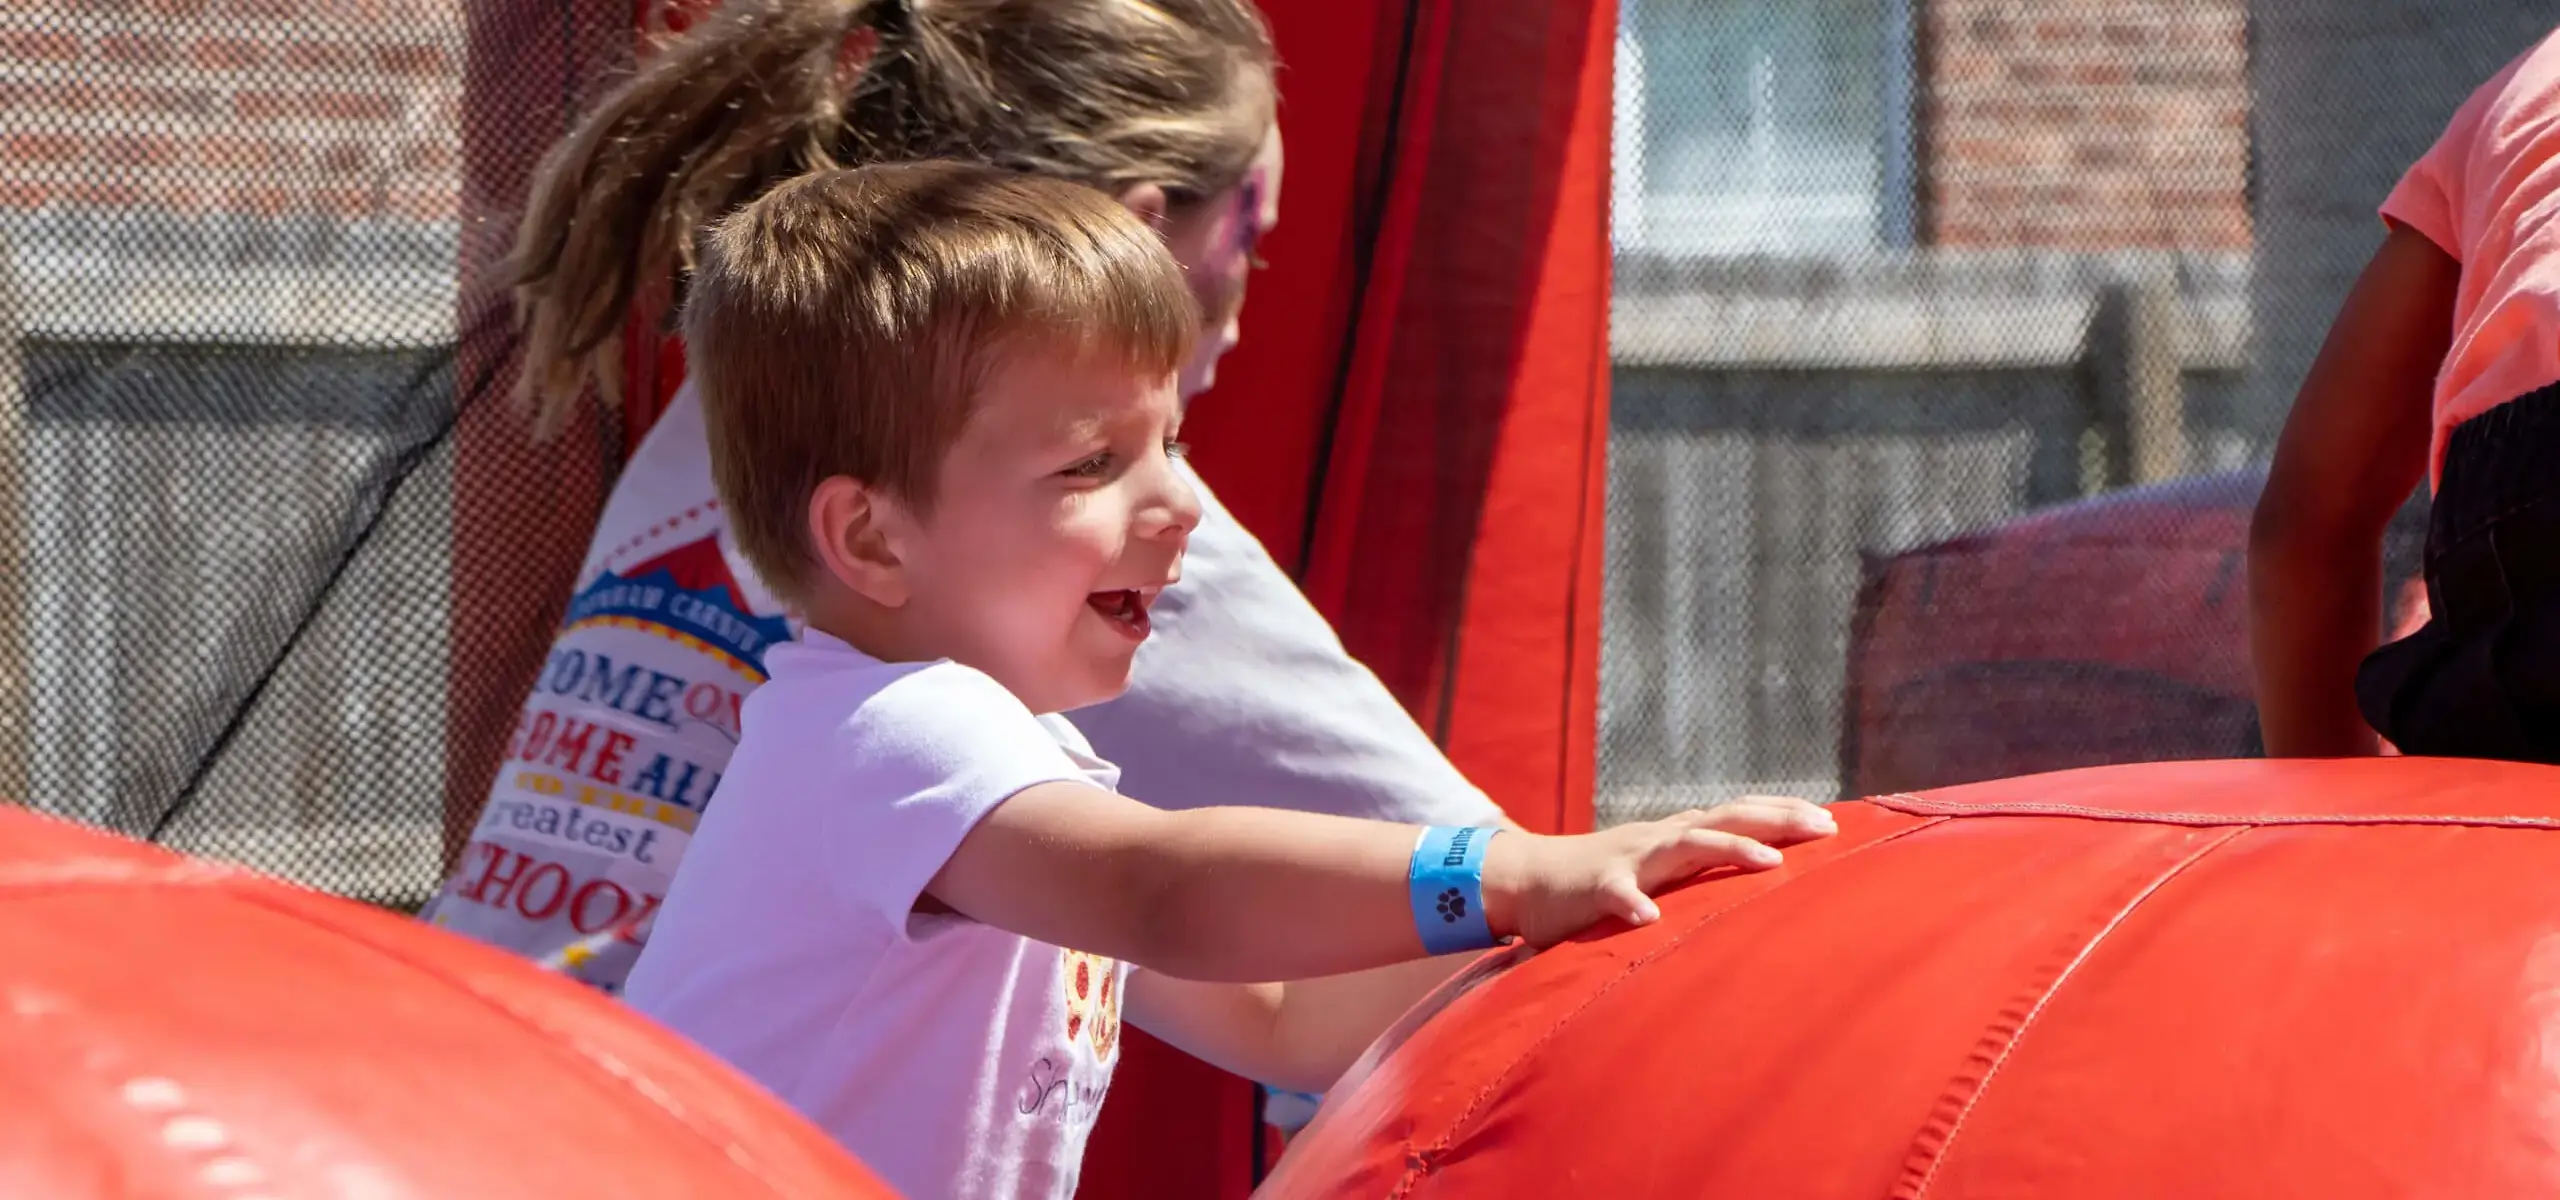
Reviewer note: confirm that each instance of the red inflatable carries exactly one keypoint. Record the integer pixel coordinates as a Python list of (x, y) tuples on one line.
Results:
[(175, 1029), (2182, 980)]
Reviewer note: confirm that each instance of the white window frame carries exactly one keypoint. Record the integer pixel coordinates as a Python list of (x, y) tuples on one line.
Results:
[(1885, 216)]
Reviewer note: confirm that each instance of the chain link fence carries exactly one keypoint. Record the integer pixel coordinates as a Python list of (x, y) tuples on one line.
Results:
[(1950, 337)]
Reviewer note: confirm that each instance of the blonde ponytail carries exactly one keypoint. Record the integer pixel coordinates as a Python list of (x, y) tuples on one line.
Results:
[(753, 93), (1109, 93)]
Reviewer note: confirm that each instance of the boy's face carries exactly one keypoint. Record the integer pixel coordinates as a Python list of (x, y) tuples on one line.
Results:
[(1057, 518)]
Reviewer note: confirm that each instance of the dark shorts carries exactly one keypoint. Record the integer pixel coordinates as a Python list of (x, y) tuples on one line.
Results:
[(2481, 679)]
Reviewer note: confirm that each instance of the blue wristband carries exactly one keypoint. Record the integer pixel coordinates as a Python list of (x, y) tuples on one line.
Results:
[(1447, 886)]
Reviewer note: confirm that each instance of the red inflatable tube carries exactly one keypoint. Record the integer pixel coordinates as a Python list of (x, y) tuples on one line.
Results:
[(2335, 979), (184, 1031)]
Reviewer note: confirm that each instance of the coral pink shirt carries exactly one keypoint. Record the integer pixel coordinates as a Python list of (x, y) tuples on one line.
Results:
[(2488, 193)]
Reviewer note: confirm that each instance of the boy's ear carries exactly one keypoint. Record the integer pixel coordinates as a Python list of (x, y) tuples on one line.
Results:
[(857, 533), (1148, 201)]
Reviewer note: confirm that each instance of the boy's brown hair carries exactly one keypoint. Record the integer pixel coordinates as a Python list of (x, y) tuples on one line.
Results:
[(1108, 93), (843, 324)]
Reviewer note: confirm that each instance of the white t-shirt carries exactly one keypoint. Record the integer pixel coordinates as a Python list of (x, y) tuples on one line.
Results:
[(955, 1059), (1242, 696)]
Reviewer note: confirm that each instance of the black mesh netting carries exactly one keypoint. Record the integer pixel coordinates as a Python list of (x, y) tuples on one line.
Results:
[(241, 347), (1951, 339), (1911, 294)]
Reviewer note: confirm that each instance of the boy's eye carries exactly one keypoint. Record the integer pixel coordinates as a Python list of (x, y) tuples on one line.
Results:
[(1176, 450), (1092, 468)]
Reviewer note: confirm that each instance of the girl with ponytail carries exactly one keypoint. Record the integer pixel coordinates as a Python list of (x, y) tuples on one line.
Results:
[(1244, 693)]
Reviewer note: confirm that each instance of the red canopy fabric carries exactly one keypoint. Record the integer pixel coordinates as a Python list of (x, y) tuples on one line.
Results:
[(1417, 419), (1416, 423)]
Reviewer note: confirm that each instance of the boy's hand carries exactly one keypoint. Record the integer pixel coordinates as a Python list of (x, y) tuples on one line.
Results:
[(1546, 889)]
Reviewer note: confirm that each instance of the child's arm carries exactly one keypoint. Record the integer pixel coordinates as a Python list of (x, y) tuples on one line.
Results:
[(1298, 1036), (1244, 894), (1304, 1035), (2352, 450)]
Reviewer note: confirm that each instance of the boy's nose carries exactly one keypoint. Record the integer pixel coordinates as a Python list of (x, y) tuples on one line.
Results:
[(1174, 511)]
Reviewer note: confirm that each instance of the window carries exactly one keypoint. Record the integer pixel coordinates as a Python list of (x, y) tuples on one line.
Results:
[(1763, 126)]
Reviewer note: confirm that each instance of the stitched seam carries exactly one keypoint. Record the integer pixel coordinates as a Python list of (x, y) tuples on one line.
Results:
[(2008, 1042), (1919, 805), (1420, 1162)]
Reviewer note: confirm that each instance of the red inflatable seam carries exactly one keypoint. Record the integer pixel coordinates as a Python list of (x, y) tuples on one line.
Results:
[(1964, 1093), (1925, 806), (82, 872)]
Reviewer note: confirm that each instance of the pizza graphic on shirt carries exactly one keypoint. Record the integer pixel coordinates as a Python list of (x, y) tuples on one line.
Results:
[(1092, 985), (1106, 1014)]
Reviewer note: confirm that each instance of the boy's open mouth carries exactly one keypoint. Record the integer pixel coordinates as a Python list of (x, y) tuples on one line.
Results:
[(1125, 609)]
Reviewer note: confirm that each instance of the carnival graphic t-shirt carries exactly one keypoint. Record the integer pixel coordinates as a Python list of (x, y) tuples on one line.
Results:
[(629, 728), (953, 1058)]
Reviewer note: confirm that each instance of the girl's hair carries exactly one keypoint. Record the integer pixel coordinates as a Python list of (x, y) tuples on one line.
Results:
[(1109, 93)]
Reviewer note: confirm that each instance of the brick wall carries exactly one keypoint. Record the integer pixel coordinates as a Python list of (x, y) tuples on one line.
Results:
[(2087, 124), (263, 108)]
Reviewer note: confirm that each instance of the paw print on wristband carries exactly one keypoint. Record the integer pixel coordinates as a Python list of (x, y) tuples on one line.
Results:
[(1453, 906)]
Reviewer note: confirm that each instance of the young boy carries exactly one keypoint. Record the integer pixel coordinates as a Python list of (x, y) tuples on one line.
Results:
[(2445, 354), (941, 404)]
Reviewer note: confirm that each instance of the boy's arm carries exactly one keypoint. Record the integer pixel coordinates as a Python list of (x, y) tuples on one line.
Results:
[(1299, 1036), (2353, 448), (1242, 894), (1304, 1035)]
